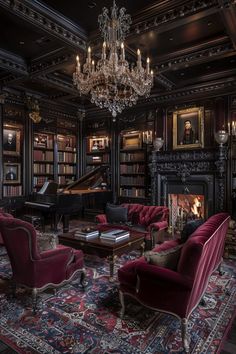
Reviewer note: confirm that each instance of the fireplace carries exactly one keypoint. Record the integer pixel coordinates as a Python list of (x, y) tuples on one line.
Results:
[(182, 176), (183, 208)]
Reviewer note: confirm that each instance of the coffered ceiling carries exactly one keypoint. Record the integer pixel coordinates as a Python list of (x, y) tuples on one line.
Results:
[(192, 44)]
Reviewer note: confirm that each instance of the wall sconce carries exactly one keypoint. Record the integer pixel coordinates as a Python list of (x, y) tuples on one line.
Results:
[(232, 128), (147, 137), (33, 107), (221, 137), (158, 143)]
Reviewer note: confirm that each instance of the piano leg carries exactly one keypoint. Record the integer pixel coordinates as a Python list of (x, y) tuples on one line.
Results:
[(65, 220)]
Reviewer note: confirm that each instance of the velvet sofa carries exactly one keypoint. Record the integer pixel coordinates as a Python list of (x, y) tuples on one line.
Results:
[(177, 291), (143, 218)]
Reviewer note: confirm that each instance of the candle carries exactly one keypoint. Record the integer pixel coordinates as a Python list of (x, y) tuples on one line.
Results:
[(148, 66), (104, 50), (89, 54), (139, 64), (93, 65), (78, 64), (122, 51), (229, 128), (233, 128)]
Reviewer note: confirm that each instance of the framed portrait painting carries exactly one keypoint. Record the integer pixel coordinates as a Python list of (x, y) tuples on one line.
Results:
[(11, 141), (188, 128), (11, 173)]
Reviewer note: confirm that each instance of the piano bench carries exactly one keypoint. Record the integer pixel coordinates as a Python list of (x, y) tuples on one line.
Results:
[(36, 220)]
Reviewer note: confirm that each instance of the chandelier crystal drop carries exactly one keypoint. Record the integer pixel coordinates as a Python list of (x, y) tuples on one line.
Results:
[(112, 83)]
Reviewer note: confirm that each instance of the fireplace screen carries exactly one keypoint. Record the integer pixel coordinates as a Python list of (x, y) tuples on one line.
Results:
[(183, 208)]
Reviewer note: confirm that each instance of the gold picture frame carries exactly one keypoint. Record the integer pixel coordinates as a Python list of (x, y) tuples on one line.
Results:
[(188, 128), (11, 141), (11, 173)]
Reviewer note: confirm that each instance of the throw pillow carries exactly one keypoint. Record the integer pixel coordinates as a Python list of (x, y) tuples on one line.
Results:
[(189, 228), (46, 241), (116, 213), (166, 259)]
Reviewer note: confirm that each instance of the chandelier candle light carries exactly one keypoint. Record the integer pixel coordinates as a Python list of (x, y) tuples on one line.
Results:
[(111, 82)]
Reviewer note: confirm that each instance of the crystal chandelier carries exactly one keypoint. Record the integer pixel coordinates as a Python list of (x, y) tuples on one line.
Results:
[(112, 83)]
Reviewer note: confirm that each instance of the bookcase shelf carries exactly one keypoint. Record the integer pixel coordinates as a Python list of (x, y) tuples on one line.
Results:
[(97, 151), (133, 161), (54, 158)]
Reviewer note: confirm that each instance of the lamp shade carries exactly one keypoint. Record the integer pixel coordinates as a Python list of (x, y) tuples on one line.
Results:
[(158, 143), (221, 137)]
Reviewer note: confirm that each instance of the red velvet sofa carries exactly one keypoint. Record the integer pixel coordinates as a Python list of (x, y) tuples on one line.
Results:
[(178, 291), (143, 218)]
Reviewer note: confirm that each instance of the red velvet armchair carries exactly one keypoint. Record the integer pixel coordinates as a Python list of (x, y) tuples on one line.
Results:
[(35, 270), (179, 291), (3, 215), (143, 218)]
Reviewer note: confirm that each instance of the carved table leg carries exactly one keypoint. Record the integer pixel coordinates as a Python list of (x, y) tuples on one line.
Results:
[(185, 338), (111, 263)]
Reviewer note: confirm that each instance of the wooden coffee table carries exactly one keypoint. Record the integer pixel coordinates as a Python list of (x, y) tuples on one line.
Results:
[(105, 249)]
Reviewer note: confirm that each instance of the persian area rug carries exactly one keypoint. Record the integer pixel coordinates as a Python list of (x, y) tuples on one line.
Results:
[(87, 321)]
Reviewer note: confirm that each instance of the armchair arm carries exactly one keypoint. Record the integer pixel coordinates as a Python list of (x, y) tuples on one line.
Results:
[(60, 249), (159, 225), (101, 219), (161, 276)]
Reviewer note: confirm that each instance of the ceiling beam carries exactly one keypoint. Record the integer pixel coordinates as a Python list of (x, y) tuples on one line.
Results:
[(51, 62), (228, 14), (205, 52), (13, 63), (47, 20), (58, 84)]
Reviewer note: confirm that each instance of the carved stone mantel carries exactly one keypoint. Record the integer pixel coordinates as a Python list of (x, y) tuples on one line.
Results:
[(204, 169)]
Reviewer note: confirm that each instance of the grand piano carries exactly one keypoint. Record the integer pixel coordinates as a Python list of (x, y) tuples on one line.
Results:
[(88, 192)]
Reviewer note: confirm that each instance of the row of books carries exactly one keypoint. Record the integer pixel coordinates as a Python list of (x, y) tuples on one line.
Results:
[(67, 169), (132, 192), (113, 235), (12, 191), (67, 157), (132, 180), (138, 156), (38, 181), (43, 168), (134, 168), (40, 155)]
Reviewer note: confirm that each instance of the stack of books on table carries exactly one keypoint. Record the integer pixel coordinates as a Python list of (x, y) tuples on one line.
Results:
[(114, 235), (86, 233)]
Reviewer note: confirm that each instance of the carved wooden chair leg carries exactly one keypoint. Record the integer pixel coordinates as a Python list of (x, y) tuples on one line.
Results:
[(202, 302), (185, 337), (122, 302), (83, 282), (12, 289), (34, 300), (221, 272)]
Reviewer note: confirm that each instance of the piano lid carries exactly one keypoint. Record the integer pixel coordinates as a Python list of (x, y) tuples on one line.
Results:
[(90, 181)]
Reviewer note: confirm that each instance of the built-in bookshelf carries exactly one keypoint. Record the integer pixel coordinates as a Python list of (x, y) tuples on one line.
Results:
[(12, 159), (43, 156), (132, 182), (66, 167), (97, 152)]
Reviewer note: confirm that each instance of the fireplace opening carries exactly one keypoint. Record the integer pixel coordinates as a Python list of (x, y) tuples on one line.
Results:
[(183, 208)]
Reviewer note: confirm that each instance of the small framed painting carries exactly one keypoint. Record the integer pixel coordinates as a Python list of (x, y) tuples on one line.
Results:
[(188, 128), (11, 173), (11, 141)]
